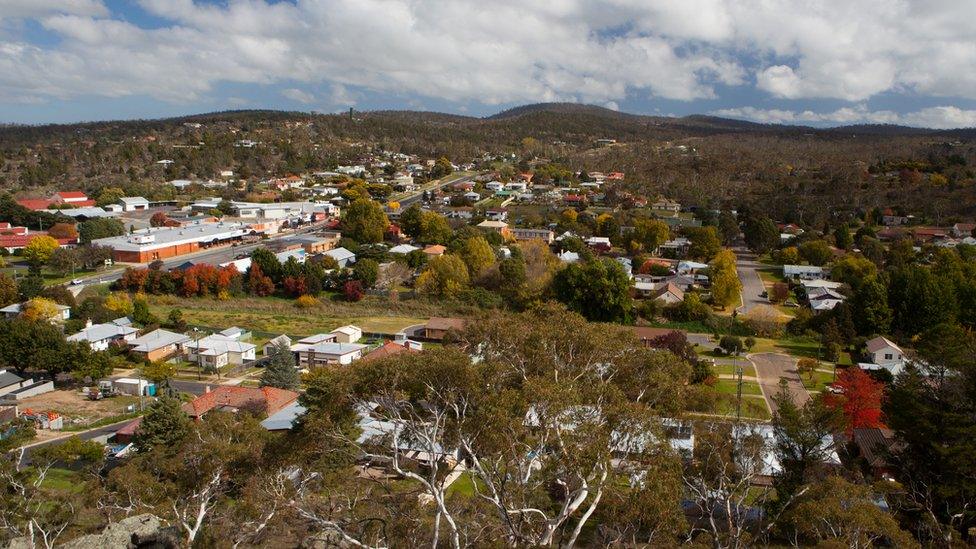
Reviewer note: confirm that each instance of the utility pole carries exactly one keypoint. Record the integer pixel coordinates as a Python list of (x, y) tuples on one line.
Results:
[(737, 369)]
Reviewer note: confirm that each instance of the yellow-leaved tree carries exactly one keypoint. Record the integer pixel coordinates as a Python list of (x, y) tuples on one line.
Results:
[(726, 285)]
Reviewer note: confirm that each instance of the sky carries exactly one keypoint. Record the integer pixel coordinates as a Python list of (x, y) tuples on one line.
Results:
[(811, 62)]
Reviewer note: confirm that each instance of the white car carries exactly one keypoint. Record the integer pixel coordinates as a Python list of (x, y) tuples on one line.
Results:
[(77, 281)]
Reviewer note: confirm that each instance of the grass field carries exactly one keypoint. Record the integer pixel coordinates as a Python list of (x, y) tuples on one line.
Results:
[(752, 407), (748, 370), (280, 316), (729, 387), (818, 381)]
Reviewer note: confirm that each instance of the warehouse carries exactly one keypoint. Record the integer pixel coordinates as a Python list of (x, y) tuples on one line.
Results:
[(151, 244)]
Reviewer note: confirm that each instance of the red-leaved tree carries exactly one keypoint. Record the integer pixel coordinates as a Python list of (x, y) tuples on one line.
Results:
[(860, 399)]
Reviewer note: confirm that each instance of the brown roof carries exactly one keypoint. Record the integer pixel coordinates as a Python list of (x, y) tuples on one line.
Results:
[(878, 343), (444, 323), (390, 348), (872, 442), (435, 249), (266, 399), (669, 287)]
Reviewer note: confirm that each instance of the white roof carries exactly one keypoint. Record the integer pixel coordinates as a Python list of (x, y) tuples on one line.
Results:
[(99, 332), (340, 253), (16, 308), (333, 349), (403, 249), (348, 330), (157, 339), (133, 200), (820, 283), (216, 345), (170, 236)]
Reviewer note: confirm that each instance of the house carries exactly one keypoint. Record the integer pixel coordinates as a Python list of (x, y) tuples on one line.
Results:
[(347, 334), (403, 249), (804, 272), (263, 401), (496, 214), (690, 267), (282, 339), (13, 387), (669, 294), (599, 243), (158, 344), (494, 186), (342, 256), (873, 445), (134, 203), (962, 230), (567, 256), (545, 235), (62, 313), (14, 242), (217, 351), (884, 354), (101, 336), (327, 354), (317, 244), (390, 348), (824, 299), (472, 196), (283, 419), (666, 204), (499, 227), (438, 327), (434, 250)]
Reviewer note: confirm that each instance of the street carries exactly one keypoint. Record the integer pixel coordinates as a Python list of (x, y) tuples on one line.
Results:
[(770, 368), (406, 202), (752, 285)]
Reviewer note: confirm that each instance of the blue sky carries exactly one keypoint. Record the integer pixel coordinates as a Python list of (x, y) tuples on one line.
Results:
[(826, 63)]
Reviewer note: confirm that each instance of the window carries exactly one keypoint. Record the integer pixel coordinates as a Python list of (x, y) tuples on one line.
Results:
[(888, 356)]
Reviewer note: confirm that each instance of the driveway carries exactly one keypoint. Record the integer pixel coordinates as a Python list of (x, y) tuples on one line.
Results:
[(752, 285), (770, 368)]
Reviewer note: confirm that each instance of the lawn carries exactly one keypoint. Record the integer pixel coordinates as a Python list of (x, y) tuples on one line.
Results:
[(730, 387), (818, 381), (748, 370), (267, 317), (752, 407), (63, 480)]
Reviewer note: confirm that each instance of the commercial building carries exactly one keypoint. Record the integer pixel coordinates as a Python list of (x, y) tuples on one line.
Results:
[(164, 242)]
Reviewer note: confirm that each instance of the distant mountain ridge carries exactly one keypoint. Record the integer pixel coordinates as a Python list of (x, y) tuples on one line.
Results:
[(538, 114)]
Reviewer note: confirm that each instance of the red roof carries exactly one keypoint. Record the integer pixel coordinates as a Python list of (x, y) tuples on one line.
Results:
[(35, 203), (266, 399), (72, 194), (21, 240), (390, 348)]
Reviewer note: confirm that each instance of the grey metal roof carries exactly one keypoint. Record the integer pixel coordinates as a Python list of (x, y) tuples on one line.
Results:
[(9, 378)]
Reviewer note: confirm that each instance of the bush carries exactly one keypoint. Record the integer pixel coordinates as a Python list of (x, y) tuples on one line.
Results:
[(306, 302), (731, 344), (353, 290)]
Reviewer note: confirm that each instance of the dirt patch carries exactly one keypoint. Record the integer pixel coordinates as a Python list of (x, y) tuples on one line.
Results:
[(76, 408)]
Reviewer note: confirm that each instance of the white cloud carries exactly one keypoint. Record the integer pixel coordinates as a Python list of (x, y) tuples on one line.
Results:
[(499, 52), (298, 95), (14, 9), (946, 117)]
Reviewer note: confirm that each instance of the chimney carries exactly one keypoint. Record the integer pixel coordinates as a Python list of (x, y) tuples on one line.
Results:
[(88, 323)]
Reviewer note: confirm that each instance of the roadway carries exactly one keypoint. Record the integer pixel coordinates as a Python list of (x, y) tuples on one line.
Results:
[(770, 369), (407, 201), (752, 284)]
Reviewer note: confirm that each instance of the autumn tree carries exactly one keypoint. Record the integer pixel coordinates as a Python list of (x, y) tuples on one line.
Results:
[(726, 285), (860, 399), (38, 251), (364, 221), (445, 276), (477, 255)]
